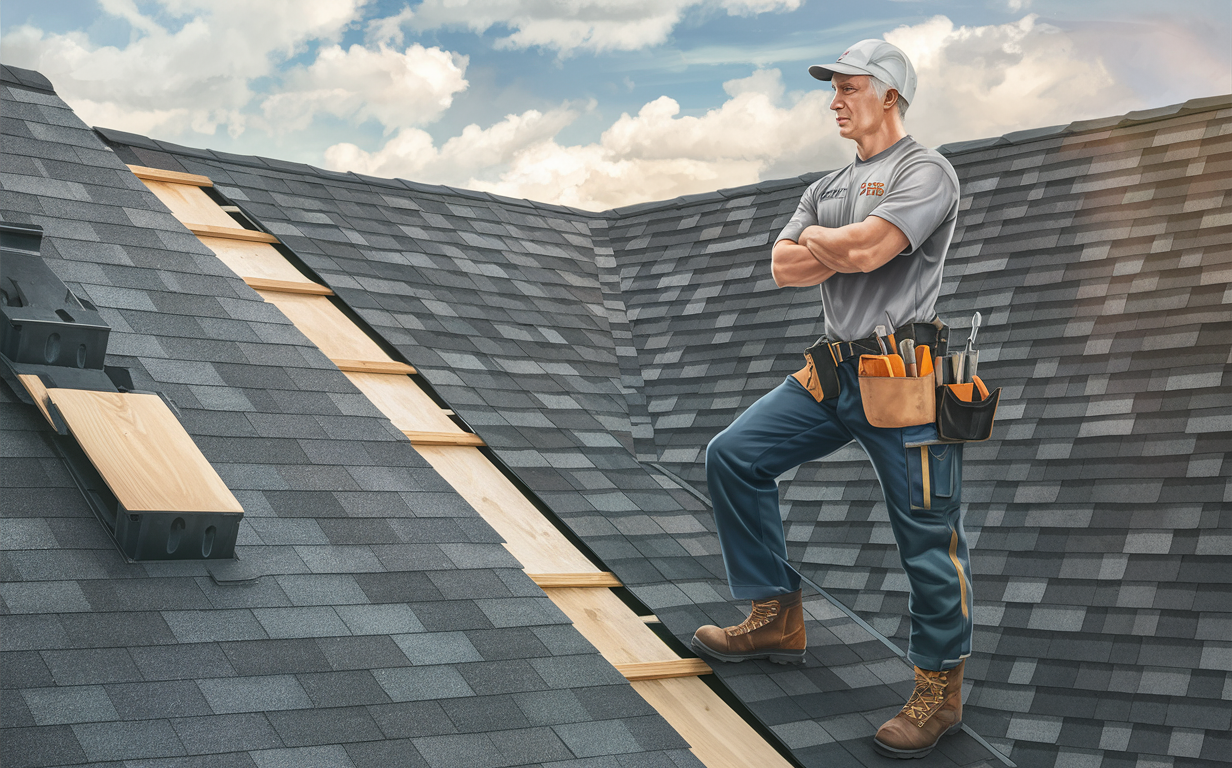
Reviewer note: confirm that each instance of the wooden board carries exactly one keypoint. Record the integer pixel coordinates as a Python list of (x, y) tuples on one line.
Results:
[(229, 233), (177, 177), (34, 385), (586, 580), (444, 438), (662, 670), (611, 626), (718, 736), (375, 366), (249, 260), (403, 402), (143, 453), (190, 204), (533, 540), (323, 323), (287, 286)]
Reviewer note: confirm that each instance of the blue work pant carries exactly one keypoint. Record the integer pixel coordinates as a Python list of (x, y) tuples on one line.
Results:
[(922, 485)]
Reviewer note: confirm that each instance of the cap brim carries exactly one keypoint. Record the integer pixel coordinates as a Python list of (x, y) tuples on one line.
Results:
[(830, 70)]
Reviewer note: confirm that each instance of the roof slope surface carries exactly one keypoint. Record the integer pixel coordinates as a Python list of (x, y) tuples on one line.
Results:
[(373, 618)]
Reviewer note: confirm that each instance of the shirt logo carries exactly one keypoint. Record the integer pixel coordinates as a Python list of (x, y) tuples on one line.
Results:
[(873, 188), (831, 194)]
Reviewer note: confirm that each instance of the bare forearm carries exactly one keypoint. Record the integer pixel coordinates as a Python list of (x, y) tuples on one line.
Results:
[(794, 266), (836, 249)]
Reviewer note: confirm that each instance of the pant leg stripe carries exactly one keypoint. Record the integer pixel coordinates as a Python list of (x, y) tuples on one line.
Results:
[(962, 578), (928, 491)]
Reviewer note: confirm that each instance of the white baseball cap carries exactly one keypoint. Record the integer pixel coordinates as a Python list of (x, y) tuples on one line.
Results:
[(882, 60)]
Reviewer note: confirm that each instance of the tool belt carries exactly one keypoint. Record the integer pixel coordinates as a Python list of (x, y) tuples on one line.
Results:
[(963, 411)]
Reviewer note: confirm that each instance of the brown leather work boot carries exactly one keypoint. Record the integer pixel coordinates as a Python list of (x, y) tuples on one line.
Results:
[(934, 709), (774, 630)]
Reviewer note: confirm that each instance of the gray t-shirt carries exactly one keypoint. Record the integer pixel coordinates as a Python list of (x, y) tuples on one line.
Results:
[(915, 189)]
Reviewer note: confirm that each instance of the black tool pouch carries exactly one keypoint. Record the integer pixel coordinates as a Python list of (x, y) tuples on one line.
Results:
[(820, 373), (961, 421)]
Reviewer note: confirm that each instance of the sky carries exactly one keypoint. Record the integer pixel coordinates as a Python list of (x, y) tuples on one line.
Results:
[(596, 103)]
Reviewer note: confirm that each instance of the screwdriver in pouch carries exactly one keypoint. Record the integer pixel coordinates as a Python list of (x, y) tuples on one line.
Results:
[(906, 348), (880, 332)]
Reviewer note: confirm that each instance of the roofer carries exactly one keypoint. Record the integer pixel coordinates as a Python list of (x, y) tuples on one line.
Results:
[(874, 236)]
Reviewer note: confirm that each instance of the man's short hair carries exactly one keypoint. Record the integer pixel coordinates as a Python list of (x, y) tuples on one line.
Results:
[(882, 88)]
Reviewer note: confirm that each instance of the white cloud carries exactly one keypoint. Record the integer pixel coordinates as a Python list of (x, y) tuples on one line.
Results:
[(194, 78), (406, 88), (567, 25), (976, 82), (652, 155)]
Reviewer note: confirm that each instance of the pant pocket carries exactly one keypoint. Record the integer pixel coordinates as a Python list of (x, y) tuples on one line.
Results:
[(932, 474)]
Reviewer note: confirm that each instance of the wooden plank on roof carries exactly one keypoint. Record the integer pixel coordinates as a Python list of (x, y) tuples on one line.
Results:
[(444, 438), (230, 233), (374, 366), (189, 204), (327, 327), (142, 452), (717, 736), (175, 177), (34, 385), (249, 259), (586, 580), (662, 670), (403, 402), (528, 535), (288, 286), (611, 626)]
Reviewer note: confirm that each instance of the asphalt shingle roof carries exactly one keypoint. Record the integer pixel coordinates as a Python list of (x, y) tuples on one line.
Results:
[(342, 635), (597, 353)]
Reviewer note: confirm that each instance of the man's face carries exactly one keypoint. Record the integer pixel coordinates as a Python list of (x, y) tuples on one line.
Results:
[(857, 110)]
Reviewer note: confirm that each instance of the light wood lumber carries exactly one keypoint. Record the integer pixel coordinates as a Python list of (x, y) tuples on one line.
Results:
[(175, 177), (584, 580), (288, 286), (248, 259), (374, 366), (34, 385), (188, 203), (142, 452), (651, 619), (718, 736), (403, 402), (529, 537), (444, 438), (612, 627), (332, 331), (230, 233), (662, 670)]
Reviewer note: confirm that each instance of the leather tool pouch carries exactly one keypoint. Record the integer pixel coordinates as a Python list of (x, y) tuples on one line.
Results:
[(820, 373), (896, 401), (965, 412)]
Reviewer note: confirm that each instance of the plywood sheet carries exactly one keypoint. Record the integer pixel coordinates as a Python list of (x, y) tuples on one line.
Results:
[(588, 580), (178, 177), (662, 670), (611, 626), (406, 405), (143, 453), (529, 536), (323, 323), (230, 233), (254, 260), (718, 736), (190, 204)]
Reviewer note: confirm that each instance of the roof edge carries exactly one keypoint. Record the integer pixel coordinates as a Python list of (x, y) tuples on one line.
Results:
[(25, 78)]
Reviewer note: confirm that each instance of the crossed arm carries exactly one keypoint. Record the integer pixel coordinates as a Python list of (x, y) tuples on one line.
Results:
[(822, 252)]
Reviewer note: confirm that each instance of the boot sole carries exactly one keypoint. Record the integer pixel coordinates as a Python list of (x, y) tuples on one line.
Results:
[(781, 656), (913, 754)]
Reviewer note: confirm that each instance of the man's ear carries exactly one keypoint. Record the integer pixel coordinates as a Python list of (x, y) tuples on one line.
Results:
[(891, 99)]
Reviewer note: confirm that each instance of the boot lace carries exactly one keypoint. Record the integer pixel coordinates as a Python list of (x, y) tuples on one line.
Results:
[(927, 698), (764, 612)]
